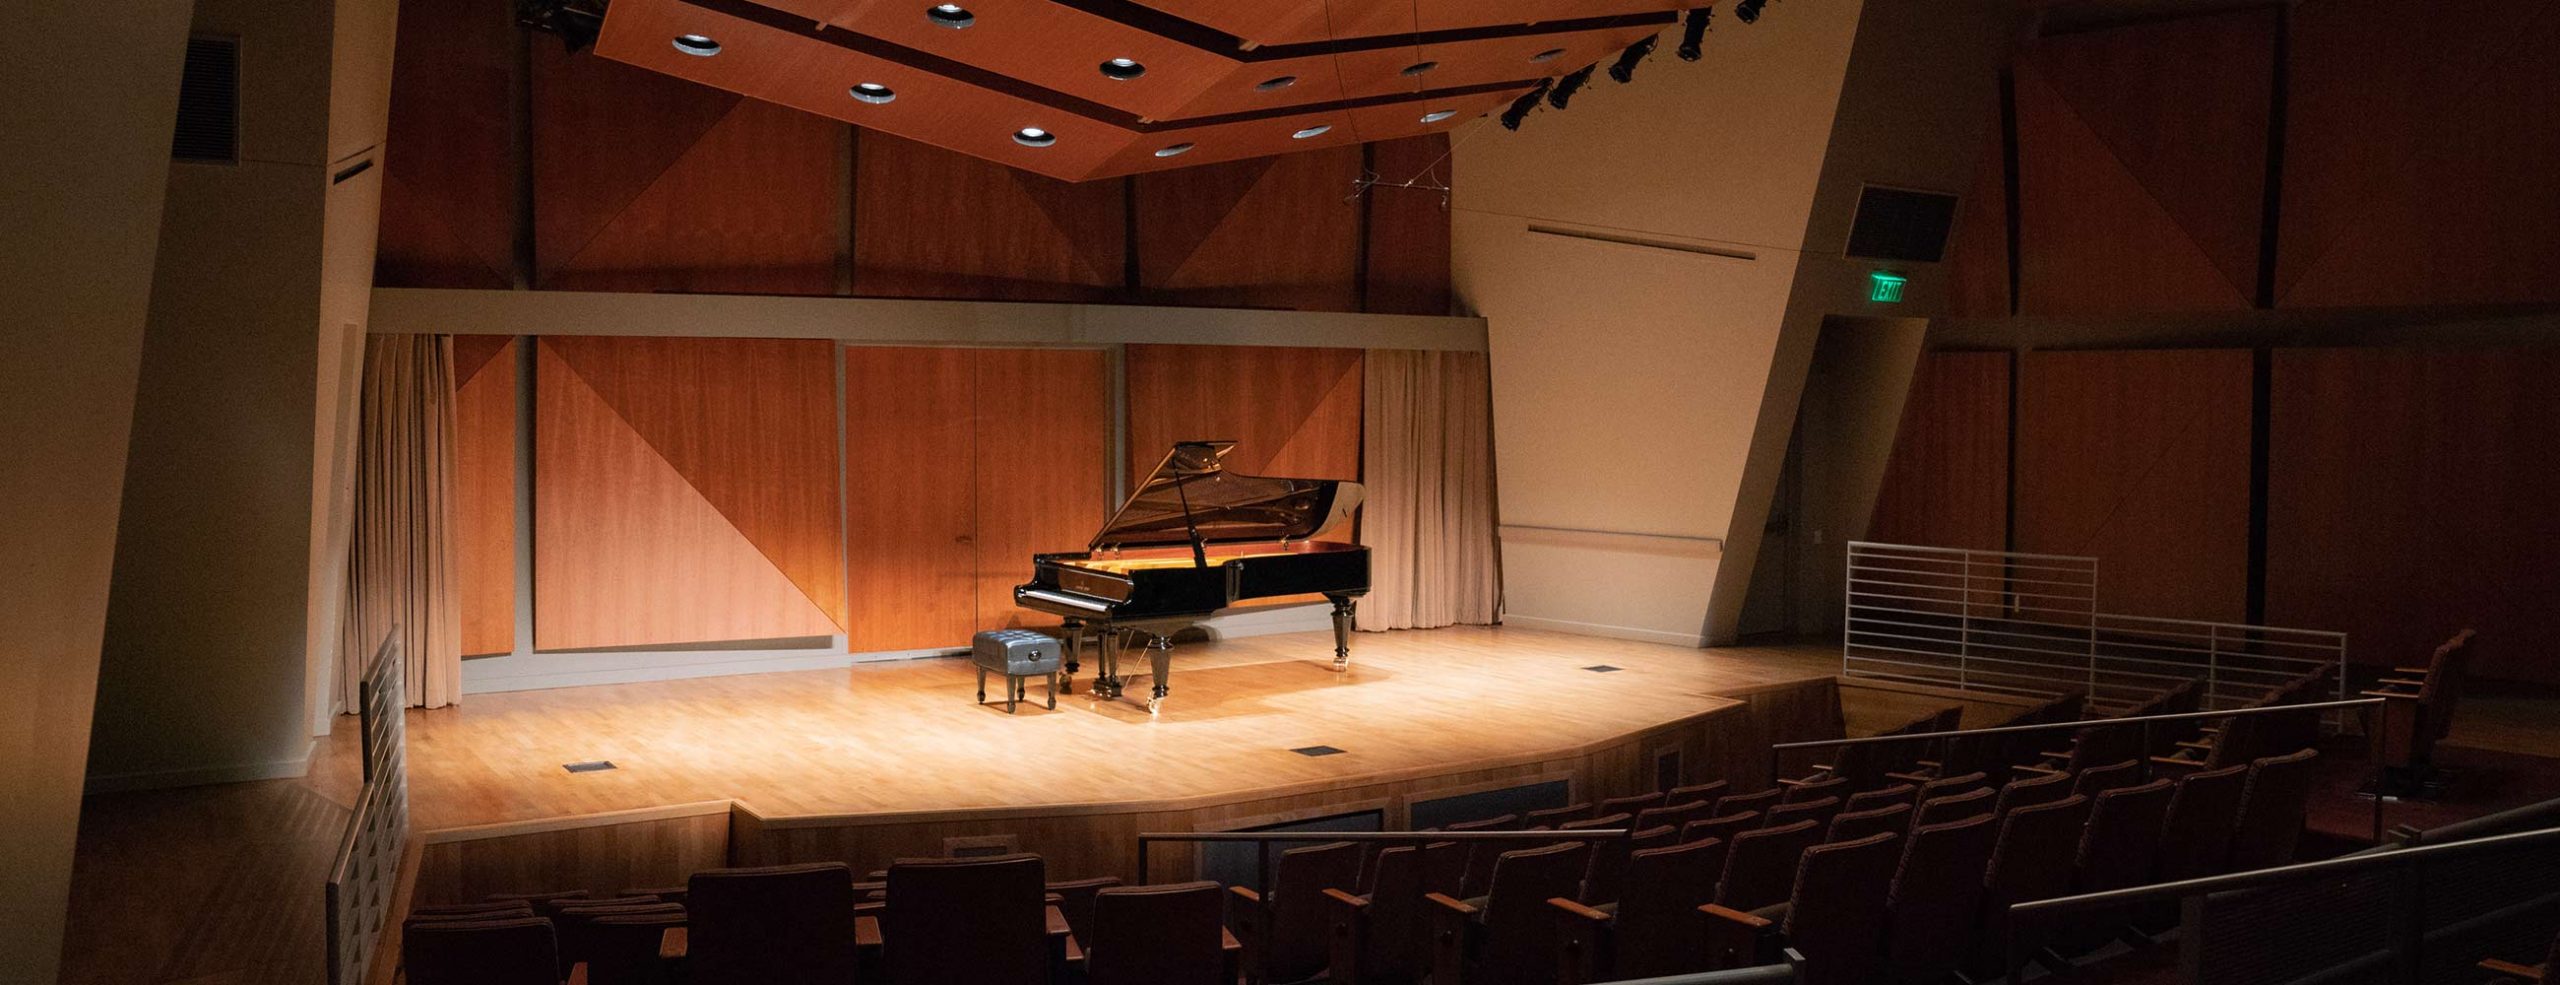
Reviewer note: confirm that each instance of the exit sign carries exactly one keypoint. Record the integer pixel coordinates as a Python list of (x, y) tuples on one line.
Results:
[(1885, 287)]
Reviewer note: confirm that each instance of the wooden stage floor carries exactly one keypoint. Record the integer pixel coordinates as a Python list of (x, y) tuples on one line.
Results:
[(906, 737)]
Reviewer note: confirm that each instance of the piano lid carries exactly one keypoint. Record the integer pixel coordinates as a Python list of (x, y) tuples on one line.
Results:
[(1227, 506)]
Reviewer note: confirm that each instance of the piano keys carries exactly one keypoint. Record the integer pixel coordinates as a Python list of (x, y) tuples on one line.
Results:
[(1192, 539)]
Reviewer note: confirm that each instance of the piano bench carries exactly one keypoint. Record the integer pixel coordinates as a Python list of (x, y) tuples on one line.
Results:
[(1018, 654)]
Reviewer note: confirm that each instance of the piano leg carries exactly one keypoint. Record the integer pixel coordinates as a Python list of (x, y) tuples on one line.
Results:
[(1160, 661), (1341, 632), (1074, 633), (1106, 671)]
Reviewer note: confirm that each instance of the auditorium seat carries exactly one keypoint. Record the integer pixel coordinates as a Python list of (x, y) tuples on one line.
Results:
[(2031, 860), (2203, 809), (954, 921), (1930, 912), (486, 910), (1851, 826), (1760, 865), (2272, 804), (1506, 937), (1604, 872), (1949, 786), (1899, 793), (1736, 803), (771, 925), (1629, 804), (1285, 929), (2247, 738), (1834, 915), (2417, 712), (541, 902), (1157, 935), (1074, 900), (1378, 935), (1480, 853), (2106, 745), (623, 950), (1651, 929), (2096, 780), (502, 951), (672, 894), (1975, 802), (1863, 765), (1696, 793), (1720, 828), (1810, 790), (570, 926), (1820, 812), (1673, 815), (2511, 973), (2030, 791), (1554, 816), (2119, 847)]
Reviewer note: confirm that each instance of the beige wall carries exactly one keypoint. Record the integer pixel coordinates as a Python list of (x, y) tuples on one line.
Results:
[(89, 112), (1627, 378)]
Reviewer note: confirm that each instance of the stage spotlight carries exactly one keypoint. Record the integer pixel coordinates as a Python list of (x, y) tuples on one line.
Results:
[(1567, 86), (1625, 70), (1749, 10), (575, 22), (1693, 34), (1520, 107)]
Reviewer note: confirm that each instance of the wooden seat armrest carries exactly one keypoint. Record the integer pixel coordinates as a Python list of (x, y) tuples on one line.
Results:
[(1719, 912), (2390, 695), (2420, 671), (2511, 969), (1349, 916), (1578, 911), (2062, 754), (2035, 770), (2173, 761), (2198, 746), (672, 944), (866, 931), (2403, 682), (1345, 902), (1445, 903), (1586, 950), (1244, 895), (1912, 777), (1735, 939)]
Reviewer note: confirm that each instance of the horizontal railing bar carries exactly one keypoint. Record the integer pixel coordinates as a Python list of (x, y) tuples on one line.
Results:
[(2086, 723), (1767, 974), (2282, 874), (2009, 689), (1961, 577), (1593, 834), (1999, 593), (2244, 627), (1918, 549), (1979, 658)]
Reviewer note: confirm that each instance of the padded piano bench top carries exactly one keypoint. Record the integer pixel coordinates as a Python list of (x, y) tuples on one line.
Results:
[(1017, 652)]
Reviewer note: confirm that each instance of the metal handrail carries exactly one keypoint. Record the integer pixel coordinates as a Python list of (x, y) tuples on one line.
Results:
[(1792, 970)]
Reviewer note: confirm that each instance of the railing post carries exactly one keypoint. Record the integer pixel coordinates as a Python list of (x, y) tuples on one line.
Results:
[(1964, 620)]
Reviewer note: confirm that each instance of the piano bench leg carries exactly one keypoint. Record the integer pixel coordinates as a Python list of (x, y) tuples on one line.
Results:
[(1053, 690), (982, 685)]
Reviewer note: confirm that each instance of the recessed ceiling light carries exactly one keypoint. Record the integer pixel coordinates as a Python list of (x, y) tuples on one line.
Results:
[(695, 44), (1123, 69), (1418, 68), (1317, 130), (1283, 82), (1173, 151), (1438, 115), (874, 93), (1034, 137), (950, 15), (1548, 55)]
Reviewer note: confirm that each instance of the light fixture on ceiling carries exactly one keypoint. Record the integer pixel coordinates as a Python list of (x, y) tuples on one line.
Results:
[(1034, 137), (1625, 70), (1418, 68), (1548, 55), (1176, 150), (950, 15), (1749, 10), (1438, 115), (1123, 69), (1275, 85), (1693, 34), (1519, 109), (1317, 130), (873, 93), (1570, 84), (695, 44)]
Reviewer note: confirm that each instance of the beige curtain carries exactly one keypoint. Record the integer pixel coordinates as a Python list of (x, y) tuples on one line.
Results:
[(401, 558), (1427, 458)]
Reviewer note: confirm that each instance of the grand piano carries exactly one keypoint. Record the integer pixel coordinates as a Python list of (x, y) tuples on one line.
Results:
[(1192, 539)]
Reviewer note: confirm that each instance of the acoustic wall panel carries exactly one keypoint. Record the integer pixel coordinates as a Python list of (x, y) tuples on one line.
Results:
[(910, 532), (449, 165), (933, 223), (484, 500), (1947, 482), (2141, 459), (628, 552), (1407, 250), (1293, 412), (1041, 429), (2409, 496), (1275, 232)]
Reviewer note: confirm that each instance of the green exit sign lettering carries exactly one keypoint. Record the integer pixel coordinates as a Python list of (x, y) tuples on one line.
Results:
[(1885, 287)]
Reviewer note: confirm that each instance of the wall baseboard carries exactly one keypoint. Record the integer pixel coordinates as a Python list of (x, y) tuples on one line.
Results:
[(1602, 629), (196, 776)]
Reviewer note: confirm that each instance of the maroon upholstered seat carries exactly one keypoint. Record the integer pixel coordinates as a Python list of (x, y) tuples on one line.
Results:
[(1895, 818), (1835, 917), (955, 921), (1156, 935), (1977, 801), (2096, 780), (623, 949), (1286, 928), (571, 926), (1378, 936), (1075, 902), (1949, 786), (2032, 790), (1936, 894), (1651, 929), (1760, 865), (1698, 793), (2120, 847), (1629, 804), (1820, 812), (1899, 793), (502, 951), (1508, 939), (2272, 803), (1720, 828), (1554, 816), (1604, 873), (2032, 860), (1674, 815), (1812, 790), (771, 925), (1480, 854), (1736, 803), (2203, 809)]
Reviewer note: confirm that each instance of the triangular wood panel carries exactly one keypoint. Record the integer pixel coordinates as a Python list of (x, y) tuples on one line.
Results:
[(1279, 232), (749, 423), (472, 352), (2092, 239), (749, 208), (448, 158), (484, 500), (930, 222), (1978, 246), (608, 132), (627, 552), (2183, 105)]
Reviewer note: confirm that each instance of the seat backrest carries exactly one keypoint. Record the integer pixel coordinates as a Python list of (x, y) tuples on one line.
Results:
[(1075, 902), (623, 950), (2196, 838), (1835, 786), (1977, 801), (2121, 844), (2106, 745), (1300, 922), (1760, 866), (952, 921), (1674, 815), (1936, 889), (2026, 747), (2272, 804), (1848, 826), (1949, 785), (1156, 935), (1820, 812), (502, 951), (2029, 791), (1736, 803), (1395, 913), (1619, 820), (1520, 928), (775, 924), (1899, 793), (2098, 779), (2445, 674), (1657, 913), (1629, 804), (573, 926), (1698, 793), (1837, 911), (1480, 853), (1555, 816), (473, 911), (1720, 828), (2033, 857)]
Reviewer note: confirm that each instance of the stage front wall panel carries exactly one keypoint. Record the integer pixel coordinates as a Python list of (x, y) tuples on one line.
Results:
[(1947, 483), (2141, 459), (2410, 495), (1292, 412), (684, 492), (1043, 424), (484, 493)]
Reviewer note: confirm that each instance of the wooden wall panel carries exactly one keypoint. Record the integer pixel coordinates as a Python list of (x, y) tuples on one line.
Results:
[(2141, 459), (643, 182), (1276, 232), (1293, 412), (627, 551), (1947, 484), (484, 502), (1407, 255), (1978, 246), (934, 223), (910, 552), (448, 159), (1042, 426), (2409, 496), (2418, 154)]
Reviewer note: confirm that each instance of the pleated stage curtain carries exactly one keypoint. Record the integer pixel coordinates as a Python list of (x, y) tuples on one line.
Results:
[(1427, 459), (401, 557)]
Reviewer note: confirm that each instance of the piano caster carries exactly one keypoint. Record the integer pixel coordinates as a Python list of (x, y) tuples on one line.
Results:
[(1341, 633), (1153, 704)]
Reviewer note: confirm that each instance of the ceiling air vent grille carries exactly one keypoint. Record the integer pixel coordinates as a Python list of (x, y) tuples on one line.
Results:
[(209, 102)]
